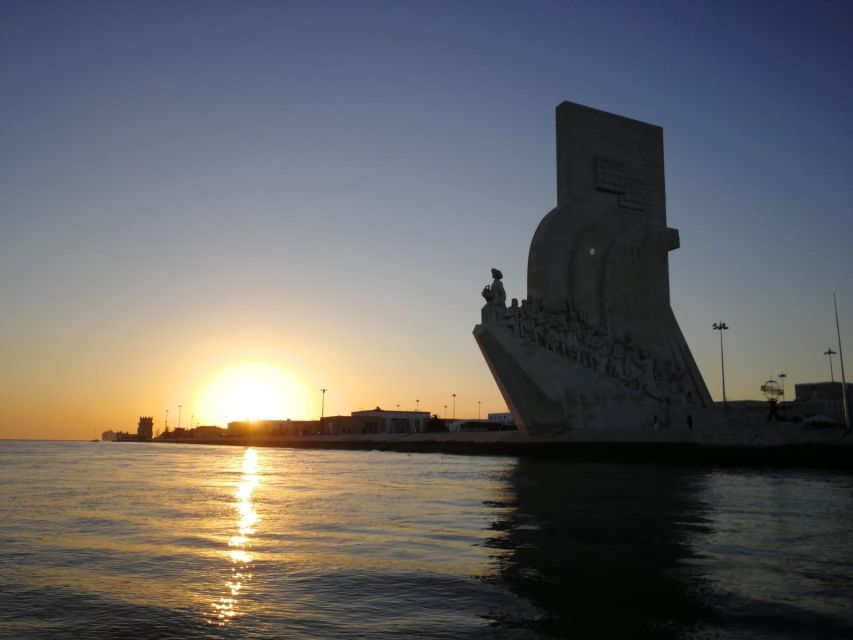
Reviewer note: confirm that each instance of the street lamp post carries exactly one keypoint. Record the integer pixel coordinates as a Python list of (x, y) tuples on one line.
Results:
[(829, 352), (478, 409), (322, 409), (445, 412), (722, 326), (454, 406), (418, 406), (782, 377), (843, 378), (179, 415)]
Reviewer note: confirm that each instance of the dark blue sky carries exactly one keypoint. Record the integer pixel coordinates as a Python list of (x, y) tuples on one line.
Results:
[(326, 184)]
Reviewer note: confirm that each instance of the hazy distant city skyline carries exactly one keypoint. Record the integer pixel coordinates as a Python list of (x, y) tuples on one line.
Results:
[(321, 189)]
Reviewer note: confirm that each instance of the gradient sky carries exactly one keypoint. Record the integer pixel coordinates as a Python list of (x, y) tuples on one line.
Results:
[(323, 186)]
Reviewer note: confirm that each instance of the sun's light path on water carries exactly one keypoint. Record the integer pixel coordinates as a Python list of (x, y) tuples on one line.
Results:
[(225, 608)]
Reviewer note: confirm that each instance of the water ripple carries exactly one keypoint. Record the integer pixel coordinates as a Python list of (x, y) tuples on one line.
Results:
[(132, 540)]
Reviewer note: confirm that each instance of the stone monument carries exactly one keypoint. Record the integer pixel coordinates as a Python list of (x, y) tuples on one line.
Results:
[(595, 343)]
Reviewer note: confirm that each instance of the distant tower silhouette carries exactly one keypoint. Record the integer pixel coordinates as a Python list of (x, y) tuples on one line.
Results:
[(145, 429)]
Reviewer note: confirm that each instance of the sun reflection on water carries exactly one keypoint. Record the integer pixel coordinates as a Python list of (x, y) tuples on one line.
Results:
[(225, 608)]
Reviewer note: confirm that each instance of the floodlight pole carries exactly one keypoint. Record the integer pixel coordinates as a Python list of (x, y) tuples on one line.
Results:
[(843, 378), (829, 352), (722, 326)]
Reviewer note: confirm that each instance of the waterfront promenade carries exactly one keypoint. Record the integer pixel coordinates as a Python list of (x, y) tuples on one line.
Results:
[(778, 444)]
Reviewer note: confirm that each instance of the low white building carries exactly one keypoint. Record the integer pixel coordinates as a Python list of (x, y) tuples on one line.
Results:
[(504, 418), (395, 421)]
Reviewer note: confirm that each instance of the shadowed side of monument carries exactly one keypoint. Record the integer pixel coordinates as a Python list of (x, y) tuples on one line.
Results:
[(595, 342)]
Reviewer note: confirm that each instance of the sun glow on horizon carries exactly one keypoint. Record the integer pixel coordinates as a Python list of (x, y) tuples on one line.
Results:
[(253, 391)]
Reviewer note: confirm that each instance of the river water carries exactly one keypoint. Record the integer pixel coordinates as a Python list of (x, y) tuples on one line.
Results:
[(135, 540)]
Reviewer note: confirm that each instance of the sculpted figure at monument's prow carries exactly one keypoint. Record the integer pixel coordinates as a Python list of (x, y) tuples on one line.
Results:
[(495, 295), (595, 343)]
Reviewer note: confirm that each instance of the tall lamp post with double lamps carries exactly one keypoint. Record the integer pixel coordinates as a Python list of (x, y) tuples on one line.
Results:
[(782, 377), (722, 326), (829, 352)]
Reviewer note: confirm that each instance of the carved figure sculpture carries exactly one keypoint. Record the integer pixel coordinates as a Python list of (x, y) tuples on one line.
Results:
[(498, 293)]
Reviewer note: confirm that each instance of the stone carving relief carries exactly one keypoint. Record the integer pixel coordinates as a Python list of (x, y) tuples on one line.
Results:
[(571, 336), (611, 175)]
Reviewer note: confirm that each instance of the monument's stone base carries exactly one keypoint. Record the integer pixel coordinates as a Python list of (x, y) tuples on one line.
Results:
[(549, 394)]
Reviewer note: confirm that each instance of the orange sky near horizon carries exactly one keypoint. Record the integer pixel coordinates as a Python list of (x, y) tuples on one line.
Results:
[(93, 390)]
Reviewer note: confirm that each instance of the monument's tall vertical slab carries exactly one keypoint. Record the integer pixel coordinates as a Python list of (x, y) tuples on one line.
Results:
[(595, 342)]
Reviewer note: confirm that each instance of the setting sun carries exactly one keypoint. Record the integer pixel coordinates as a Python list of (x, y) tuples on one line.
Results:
[(253, 391)]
